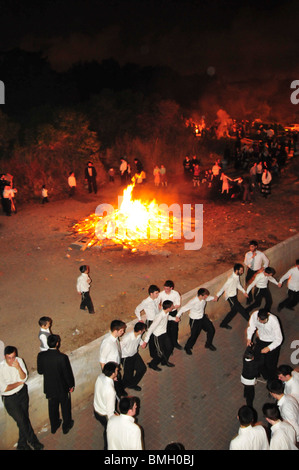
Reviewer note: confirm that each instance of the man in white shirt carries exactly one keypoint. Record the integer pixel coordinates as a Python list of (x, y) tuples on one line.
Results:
[(283, 435), (249, 437), (261, 281), (290, 378), (231, 287), (122, 431), (110, 351), (83, 286), (293, 288), (13, 375), (254, 260), (104, 402), (161, 341), (133, 364), (169, 293), (198, 320), (150, 305), (72, 183), (287, 404), (268, 341)]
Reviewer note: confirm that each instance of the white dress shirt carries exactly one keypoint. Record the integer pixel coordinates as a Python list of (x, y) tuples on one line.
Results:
[(256, 262), (10, 375), (283, 436), (231, 287), (110, 350), (104, 396), (149, 306), (196, 307), (269, 332), (250, 438), (129, 344), (175, 298), (261, 281), (123, 433), (43, 337), (83, 283), (291, 386), (289, 411), (158, 327), (293, 278)]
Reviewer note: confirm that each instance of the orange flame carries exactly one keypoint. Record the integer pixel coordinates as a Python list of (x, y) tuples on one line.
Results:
[(134, 223)]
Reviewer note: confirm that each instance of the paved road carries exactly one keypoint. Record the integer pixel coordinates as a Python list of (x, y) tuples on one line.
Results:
[(196, 402)]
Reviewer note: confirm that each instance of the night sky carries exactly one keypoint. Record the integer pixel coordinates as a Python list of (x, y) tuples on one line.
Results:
[(235, 39)]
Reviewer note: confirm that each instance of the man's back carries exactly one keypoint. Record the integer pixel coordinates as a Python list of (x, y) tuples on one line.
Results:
[(123, 433), (57, 372), (250, 438)]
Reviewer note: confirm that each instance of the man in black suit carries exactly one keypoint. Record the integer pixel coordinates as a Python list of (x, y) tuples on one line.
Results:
[(90, 177), (58, 384)]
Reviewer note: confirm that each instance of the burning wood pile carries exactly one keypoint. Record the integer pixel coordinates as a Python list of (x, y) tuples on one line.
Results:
[(136, 225)]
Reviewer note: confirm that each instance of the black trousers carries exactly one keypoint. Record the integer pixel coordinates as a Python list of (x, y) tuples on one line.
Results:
[(291, 300), (196, 326), (17, 406), (173, 329), (104, 421), (260, 294), (249, 394), (133, 370), (235, 307), (92, 185), (63, 401), (267, 363), (162, 349), (86, 302)]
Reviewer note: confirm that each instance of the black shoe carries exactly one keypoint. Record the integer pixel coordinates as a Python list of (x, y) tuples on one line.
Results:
[(158, 369), (24, 447), (169, 364), (137, 388), (178, 346), (227, 327), (66, 430), (54, 429), (211, 347), (188, 351), (37, 445)]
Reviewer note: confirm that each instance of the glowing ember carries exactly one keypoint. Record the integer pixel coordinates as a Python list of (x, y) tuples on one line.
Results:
[(134, 223)]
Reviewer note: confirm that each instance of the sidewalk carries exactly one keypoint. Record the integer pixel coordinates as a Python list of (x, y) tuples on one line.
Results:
[(196, 402)]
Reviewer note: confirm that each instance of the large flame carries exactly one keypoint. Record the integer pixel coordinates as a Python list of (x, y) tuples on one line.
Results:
[(134, 223)]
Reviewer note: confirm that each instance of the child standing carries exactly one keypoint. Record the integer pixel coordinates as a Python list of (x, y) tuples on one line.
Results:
[(45, 324), (44, 194), (196, 175), (249, 375), (83, 286), (163, 175), (72, 183)]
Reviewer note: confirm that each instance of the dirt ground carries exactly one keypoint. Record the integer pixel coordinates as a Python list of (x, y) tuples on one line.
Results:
[(39, 264)]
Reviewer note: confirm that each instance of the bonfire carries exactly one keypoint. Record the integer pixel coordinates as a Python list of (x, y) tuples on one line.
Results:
[(134, 224)]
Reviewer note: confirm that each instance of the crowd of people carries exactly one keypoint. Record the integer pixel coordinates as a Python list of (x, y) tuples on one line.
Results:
[(157, 327)]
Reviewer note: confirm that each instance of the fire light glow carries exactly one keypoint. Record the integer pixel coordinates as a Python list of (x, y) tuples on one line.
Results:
[(134, 223)]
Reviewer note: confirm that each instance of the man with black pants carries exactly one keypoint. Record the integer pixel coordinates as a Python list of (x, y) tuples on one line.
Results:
[(261, 282), (254, 260), (59, 383), (172, 326), (293, 288), (162, 344), (133, 365), (198, 320), (90, 177), (83, 287), (13, 375), (231, 287), (267, 344)]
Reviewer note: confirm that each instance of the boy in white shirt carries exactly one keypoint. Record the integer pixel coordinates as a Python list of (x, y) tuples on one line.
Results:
[(83, 286)]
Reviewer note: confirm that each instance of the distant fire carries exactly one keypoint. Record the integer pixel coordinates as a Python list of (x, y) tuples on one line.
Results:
[(134, 223)]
